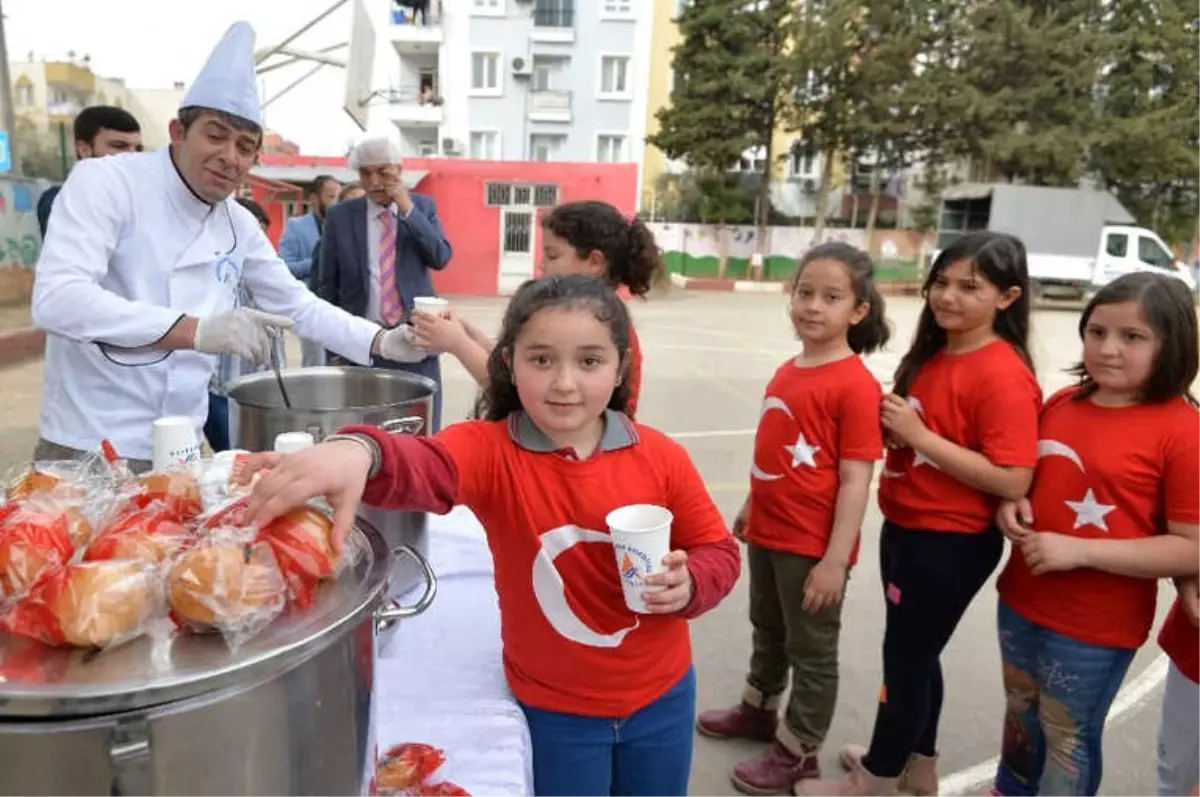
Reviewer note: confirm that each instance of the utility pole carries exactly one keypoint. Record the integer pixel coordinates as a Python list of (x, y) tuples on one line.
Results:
[(10, 115)]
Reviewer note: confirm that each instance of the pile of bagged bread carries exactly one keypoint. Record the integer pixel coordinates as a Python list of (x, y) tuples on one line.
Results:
[(91, 556)]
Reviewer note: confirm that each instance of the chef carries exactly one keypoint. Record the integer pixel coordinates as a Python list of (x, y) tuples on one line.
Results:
[(136, 281)]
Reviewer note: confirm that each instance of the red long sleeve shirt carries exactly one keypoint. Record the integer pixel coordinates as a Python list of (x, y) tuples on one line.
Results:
[(570, 642)]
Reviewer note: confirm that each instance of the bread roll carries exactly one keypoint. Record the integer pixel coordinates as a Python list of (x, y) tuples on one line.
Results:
[(149, 535), (179, 490), (103, 602), (303, 539), (224, 585), (32, 483), (79, 527), (32, 543)]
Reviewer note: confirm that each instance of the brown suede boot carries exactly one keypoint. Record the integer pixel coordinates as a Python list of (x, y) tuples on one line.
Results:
[(855, 783), (919, 778), (776, 771), (743, 721)]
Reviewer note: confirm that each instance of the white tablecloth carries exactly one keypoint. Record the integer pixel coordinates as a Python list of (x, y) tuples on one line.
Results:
[(440, 678)]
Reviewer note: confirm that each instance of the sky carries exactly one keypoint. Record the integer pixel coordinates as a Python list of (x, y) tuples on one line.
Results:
[(136, 40)]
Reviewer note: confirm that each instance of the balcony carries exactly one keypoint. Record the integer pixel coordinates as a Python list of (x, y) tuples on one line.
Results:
[(410, 37), (409, 109), (553, 22), (550, 106)]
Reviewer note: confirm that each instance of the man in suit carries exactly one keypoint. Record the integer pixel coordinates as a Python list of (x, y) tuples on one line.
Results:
[(377, 251), (99, 130), (301, 234)]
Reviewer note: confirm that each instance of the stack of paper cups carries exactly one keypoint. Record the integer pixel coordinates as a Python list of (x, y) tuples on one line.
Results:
[(292, 442), (434, 305), (641, 539), (174, 443)]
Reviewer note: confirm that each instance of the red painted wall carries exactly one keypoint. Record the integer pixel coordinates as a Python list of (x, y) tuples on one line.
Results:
[(473, 228)]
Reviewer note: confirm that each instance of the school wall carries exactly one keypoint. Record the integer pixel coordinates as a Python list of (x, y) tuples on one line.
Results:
[(20, 239), (693, 250)]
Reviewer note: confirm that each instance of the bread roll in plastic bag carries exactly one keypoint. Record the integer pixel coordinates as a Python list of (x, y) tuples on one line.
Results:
[(90, 604), (152, 534), (227, 585), (178, 490), (34, 541)]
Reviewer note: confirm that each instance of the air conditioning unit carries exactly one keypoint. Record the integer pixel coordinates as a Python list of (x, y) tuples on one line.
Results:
[(522, 66), (451, 146)]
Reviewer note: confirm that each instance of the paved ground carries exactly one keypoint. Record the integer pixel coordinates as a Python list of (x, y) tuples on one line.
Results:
[(708, 358)]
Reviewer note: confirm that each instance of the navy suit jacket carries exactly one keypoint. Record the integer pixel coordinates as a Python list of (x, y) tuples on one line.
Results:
[(342, 268)]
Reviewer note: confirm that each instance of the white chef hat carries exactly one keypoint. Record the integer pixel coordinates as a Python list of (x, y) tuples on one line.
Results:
[(374, 152), (227, 81)]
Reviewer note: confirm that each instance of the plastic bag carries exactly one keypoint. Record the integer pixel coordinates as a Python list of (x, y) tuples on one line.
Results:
[(178, 489), (86, 489), (34, 541), (89, 604), (227, 584), (151, 534)]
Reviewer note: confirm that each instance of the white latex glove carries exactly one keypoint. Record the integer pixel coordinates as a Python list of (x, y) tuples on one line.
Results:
[(245, 332), (396, 344)]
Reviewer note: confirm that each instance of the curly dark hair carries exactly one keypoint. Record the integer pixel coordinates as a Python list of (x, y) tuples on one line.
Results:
[(873, 331), (499, 398), (628, 245)]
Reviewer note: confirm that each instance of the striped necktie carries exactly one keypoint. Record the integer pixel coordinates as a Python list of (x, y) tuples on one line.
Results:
[(391, 309)]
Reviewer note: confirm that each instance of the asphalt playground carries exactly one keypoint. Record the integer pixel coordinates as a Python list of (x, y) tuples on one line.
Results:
[(708, 357)]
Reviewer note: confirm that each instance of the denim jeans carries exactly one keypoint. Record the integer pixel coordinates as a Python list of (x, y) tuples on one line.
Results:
[(216, 428), (1058, 691), (648, 752)]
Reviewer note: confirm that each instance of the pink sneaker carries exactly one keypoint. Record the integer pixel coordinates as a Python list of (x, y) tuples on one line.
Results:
[(776, 771), (743, 721)]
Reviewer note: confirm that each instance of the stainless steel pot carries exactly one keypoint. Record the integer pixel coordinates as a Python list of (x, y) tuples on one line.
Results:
[(326, 399), (290, 712)]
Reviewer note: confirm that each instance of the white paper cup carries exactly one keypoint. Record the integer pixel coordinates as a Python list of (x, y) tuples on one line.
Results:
[(641, 539), (174, 443), (291, 442), (434, 305)]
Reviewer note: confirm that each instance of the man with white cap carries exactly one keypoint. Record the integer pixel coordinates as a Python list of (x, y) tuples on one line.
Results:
[(137, 277), (377, 252)]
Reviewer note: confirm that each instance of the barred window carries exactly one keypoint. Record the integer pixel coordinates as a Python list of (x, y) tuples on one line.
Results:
[(499, 194)]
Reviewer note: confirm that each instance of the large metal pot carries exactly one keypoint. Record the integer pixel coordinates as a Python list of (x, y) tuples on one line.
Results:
[(326, 399), (290, 712)]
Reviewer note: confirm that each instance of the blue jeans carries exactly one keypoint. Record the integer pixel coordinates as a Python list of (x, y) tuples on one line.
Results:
[(216, 428), (1058, 691), (647, 753)]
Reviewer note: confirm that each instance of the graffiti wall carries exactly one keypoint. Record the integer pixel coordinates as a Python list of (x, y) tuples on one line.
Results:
[(694, 249), (20, 240)]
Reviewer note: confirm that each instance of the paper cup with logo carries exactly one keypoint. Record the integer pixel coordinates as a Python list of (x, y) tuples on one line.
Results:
[(174, 443), (293, 442), (434, 305), (641, 539)]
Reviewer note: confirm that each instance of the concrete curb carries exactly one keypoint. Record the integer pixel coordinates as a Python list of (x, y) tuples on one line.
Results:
[(750, 286), (21, 344)]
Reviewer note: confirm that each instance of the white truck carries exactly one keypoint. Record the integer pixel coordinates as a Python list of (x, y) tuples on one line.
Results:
[(1076, 239)]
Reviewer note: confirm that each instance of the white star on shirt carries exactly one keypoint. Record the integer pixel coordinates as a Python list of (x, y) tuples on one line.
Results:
[(919, 458), (803, 453), (1089, 511)]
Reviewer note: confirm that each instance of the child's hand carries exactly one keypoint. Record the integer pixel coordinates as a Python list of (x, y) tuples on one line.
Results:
[(677, 581), (901, 420), (1189, 597), (739, 522), (1015, 519), (437, 332), (824, 586), (1048, 552)]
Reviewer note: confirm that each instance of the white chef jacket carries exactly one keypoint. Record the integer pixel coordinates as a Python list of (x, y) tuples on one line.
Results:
[(133, 250)]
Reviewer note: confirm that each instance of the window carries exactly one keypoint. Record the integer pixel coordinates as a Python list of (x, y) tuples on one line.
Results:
[(485, 73), (427, 149), (802, 161), (614, 76), (518, 232), (1117, 244), (545, 147), (488, 8), (499, 194), (24, 94), (1150, 253), (485, 145), (545, 196), (554, 13), (618, 8), (610, 148)]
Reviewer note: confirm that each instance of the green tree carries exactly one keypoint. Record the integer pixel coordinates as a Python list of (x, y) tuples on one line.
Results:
[(1146, 148), (730, 76)]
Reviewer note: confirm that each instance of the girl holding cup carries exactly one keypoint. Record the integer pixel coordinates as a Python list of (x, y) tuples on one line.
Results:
[(814, 453), (552, 419)]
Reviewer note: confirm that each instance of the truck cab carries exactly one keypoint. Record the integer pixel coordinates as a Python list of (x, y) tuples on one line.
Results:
[(1124, 250)]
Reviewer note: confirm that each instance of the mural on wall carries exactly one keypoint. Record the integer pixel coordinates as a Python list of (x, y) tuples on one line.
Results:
[(20, 241), (694, 250)]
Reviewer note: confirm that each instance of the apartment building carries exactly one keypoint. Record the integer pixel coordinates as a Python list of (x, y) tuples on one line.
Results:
[(534, 80)]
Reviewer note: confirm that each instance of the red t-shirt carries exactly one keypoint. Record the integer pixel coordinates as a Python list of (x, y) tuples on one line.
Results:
[(811, 420), (1117, 473), (635, 373), (570, 643), (986, 400), (1181, 641)]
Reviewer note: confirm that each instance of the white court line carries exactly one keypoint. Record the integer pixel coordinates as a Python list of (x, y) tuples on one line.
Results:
[(712, 433), (972, 779)]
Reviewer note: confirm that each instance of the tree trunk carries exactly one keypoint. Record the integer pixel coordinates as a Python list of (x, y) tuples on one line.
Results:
[(822, 204), (722, 249), (762, 207), (873, 213)]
